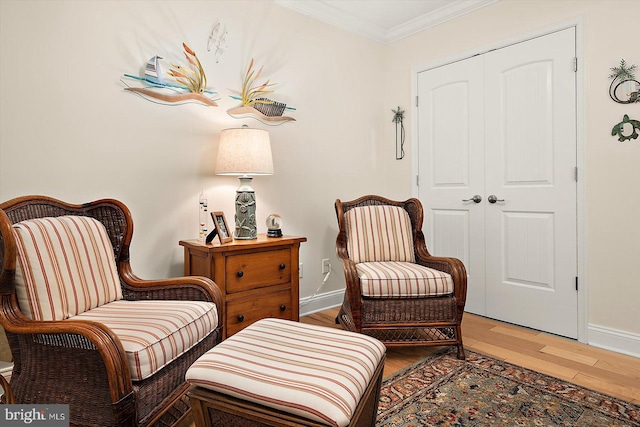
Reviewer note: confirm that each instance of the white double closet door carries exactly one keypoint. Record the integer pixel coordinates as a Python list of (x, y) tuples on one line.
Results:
[(502, 125)]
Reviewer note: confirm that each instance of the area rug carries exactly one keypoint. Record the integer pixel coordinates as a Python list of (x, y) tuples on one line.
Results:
[(482, 391)]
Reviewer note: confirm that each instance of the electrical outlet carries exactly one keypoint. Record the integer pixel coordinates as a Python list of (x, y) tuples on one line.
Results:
[(300, 270), (326, 266)]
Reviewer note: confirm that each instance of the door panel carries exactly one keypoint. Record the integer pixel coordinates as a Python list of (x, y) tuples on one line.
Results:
[(451, 165), (526, 94), (503, 124), (450, 129), (451, 232), (528, 250), (530, 164)]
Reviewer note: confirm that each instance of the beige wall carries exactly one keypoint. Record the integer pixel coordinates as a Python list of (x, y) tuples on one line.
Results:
[(611, 197), (67, 128)]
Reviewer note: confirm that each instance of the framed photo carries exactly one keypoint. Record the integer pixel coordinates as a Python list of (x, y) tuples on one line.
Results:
[(222, 229)]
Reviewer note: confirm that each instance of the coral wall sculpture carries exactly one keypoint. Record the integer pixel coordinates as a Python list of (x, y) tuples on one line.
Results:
[(254, 102), (189, 82)]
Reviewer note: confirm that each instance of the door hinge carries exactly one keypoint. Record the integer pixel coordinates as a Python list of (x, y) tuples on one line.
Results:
[(416, 100), (575, 64), (418, 180), (576, 283), (575, 173)]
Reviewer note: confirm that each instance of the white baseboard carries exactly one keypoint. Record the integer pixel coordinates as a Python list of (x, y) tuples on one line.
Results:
[(614, 340), (310, 305), (6, 368)]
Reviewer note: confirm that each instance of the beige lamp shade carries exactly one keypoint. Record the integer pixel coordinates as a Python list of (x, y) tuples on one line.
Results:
[(244, 151)]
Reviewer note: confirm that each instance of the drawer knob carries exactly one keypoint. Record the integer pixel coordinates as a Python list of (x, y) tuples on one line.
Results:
[(240, 273), (282, 266), (240, 318), (283, 307)]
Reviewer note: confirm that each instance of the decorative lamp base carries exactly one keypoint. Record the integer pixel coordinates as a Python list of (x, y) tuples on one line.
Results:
[(246, 227)]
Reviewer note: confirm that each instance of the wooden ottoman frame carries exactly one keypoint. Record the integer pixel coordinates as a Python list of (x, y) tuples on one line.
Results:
[(213, 409)]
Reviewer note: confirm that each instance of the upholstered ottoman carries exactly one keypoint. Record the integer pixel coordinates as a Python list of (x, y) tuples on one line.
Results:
[(282, 373)]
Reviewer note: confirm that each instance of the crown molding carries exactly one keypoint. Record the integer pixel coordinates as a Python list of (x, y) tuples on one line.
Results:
[(453, 10), (331, 15)]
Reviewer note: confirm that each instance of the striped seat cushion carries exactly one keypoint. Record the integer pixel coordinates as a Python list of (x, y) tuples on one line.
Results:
[(402, 280), (315, 372), (153, 333), (66, 265), (379, 233)]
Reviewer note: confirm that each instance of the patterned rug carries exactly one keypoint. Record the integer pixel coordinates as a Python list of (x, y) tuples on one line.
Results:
[(482, 391)]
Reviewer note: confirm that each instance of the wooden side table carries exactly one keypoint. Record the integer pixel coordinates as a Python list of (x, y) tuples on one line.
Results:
[(258, 278)]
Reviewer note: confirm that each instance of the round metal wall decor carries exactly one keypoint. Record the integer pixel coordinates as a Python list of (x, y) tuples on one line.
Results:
[(619, 129)]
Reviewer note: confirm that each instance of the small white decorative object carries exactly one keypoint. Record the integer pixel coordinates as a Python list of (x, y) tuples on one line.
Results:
[(202, 216), (274, 225), (217, 40)]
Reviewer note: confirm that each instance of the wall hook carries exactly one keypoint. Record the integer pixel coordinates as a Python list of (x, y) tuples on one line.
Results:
[(398, 117)]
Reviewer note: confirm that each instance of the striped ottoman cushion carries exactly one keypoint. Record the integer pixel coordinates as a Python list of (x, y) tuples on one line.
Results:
[(315, 372), (402, 280), (154, 333)]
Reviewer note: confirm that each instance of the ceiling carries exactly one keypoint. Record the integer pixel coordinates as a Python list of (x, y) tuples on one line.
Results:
[(384, 21)]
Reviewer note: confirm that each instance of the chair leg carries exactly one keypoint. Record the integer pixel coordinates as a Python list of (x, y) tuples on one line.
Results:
[(460, 354)]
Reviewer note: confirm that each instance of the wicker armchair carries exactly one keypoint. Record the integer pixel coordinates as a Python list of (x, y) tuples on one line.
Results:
[(85, 363), (389, 295)]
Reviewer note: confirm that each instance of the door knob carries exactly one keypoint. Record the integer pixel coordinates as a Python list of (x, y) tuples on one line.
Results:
[(493, 199), (476, 199)]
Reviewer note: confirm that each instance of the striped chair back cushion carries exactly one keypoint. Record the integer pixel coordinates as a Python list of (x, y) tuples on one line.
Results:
[(379, 233), (65, 267)]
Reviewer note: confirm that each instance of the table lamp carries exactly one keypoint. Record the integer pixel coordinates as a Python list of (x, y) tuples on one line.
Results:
[(245, 152)]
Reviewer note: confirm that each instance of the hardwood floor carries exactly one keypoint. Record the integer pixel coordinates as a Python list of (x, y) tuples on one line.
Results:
[(605, 371)]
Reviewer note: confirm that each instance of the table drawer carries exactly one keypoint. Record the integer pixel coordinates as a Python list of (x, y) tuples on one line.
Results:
[(244, 311), (256, 270)]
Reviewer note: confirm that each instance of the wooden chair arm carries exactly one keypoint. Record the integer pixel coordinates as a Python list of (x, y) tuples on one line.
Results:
[(8, 394), (195, 288), (341, 246), (455, 268), (352, 279), (353, 289), (90, 336)]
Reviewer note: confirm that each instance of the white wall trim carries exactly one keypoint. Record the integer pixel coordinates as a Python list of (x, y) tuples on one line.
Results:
[(581, 163), (332, 15), (310, 305), (614, 340), (446, 13)]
